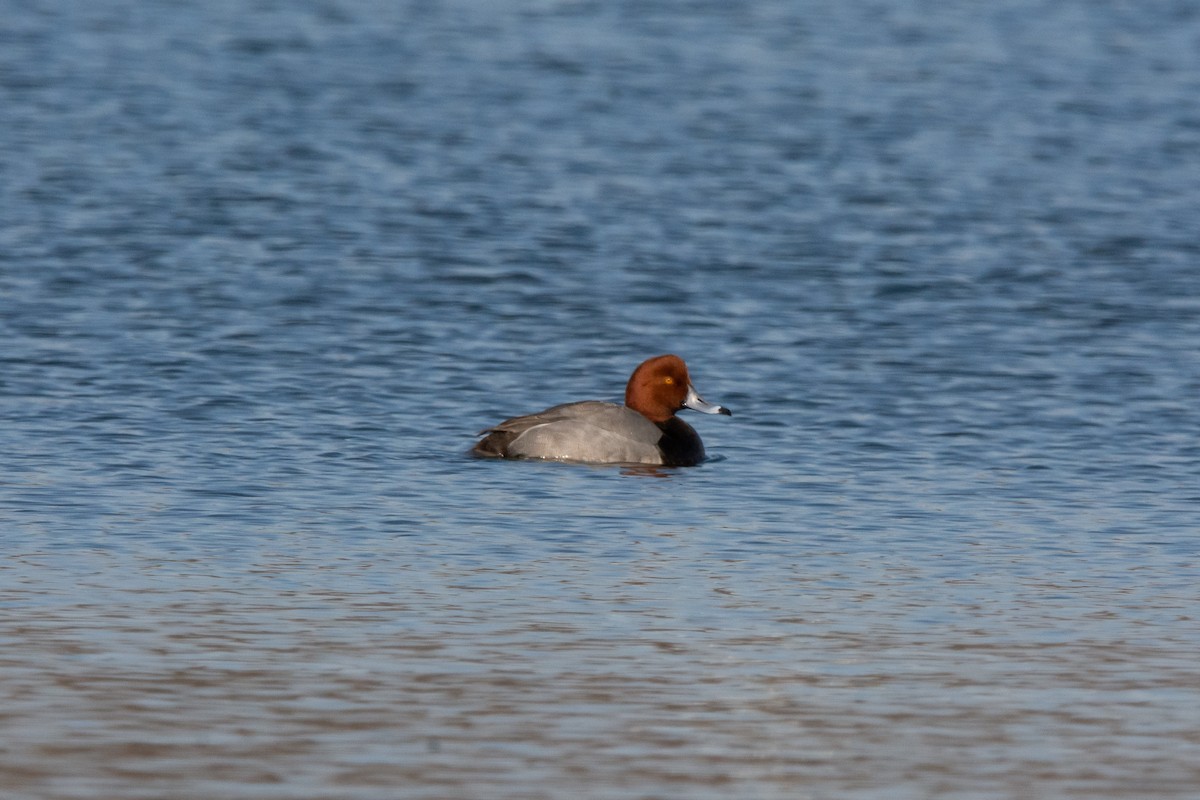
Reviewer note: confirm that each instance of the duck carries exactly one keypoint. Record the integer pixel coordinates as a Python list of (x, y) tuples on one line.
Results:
[(644, 430)]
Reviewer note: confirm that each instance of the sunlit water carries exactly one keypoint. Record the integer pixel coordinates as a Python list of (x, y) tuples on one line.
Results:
[(266, 268)]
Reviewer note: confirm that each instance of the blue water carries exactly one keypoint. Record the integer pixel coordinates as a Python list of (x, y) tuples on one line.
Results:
[(265, 269)]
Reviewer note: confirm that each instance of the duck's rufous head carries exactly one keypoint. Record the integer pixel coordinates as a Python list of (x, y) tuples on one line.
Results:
[(660, 386)]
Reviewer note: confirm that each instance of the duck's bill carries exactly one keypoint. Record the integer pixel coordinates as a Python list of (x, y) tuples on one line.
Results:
[(697, 403)]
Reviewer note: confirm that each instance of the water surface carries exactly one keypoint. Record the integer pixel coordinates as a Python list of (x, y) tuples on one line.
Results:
[(265, 269)]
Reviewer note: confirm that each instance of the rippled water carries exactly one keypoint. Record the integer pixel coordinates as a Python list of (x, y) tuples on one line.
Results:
[(266, 268)]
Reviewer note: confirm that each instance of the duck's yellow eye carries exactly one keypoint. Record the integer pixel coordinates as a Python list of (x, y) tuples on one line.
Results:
[(668, 380)]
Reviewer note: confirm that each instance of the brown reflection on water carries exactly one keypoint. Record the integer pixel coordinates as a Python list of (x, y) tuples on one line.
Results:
[(344, 698)]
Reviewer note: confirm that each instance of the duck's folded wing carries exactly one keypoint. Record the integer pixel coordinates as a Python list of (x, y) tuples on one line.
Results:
[(590, 431)]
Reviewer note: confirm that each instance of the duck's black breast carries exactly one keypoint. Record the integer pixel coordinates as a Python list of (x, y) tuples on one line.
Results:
[(680, 444)]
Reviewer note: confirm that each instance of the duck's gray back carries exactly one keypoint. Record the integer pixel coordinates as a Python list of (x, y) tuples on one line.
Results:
[(588, 431)]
